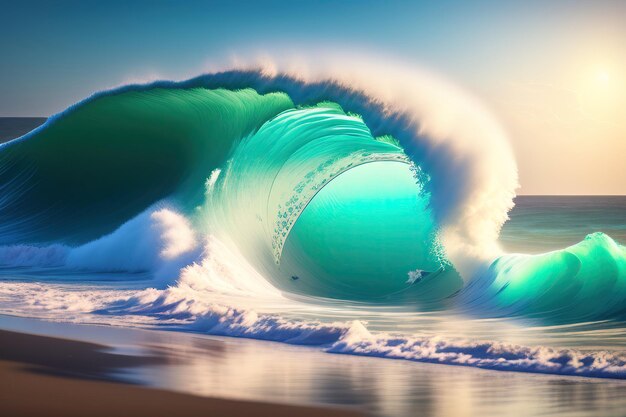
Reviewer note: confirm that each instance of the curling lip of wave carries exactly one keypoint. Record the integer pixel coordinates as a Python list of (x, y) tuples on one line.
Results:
[(442, 130)]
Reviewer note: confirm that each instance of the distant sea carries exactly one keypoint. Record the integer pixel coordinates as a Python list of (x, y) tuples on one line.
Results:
[(13, 127)]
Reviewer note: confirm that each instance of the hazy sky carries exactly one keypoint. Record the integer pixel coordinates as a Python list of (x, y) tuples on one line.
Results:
[(553, 72)]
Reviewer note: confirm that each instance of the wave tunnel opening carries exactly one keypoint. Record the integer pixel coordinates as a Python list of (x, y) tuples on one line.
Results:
[(368, 234)]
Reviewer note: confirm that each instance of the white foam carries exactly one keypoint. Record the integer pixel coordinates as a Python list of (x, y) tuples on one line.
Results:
[(194, 310), (159, 240), (485, 354)]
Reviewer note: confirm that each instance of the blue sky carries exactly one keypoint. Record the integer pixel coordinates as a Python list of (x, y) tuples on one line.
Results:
[(518, 57), (56, 52)]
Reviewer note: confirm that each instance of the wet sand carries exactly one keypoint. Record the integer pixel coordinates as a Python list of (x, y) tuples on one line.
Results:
[(46, 376)]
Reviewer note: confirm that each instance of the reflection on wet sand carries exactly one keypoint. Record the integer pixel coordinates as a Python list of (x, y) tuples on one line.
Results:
[(246, 369)]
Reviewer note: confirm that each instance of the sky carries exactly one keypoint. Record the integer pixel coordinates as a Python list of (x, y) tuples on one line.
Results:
[(552, 72)]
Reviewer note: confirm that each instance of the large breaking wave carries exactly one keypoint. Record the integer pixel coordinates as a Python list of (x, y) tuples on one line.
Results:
[(256, 200)]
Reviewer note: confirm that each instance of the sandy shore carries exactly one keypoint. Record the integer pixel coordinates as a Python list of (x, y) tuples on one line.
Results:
[(46, 376)]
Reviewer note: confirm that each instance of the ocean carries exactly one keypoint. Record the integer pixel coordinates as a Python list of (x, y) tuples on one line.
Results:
[(305, 217)]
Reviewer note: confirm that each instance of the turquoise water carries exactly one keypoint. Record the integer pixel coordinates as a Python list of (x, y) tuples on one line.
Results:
[(362, 226)]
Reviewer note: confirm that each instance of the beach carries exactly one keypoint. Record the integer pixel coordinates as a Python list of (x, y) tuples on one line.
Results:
[(41, 375)]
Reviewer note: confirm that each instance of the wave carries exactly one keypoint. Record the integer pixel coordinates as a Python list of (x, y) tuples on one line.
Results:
[(105, 160), (298, 189), (584, 282), (172, 135)]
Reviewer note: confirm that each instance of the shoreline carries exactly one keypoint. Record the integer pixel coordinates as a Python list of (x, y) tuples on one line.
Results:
[(155, 372), (42, 375)]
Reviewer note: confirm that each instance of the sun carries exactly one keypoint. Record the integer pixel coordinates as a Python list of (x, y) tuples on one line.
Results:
[(600, 94), (603, 77)]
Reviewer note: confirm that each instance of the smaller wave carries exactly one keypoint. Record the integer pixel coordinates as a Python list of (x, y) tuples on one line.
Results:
[(583, 282), (159, 240)]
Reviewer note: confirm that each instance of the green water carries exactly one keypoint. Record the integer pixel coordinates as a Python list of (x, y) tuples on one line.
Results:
[(362, 227), (107, 160)]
